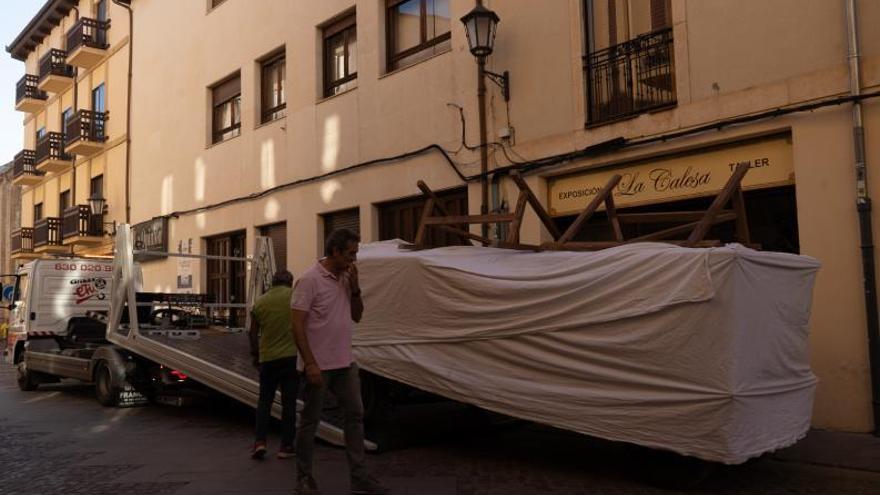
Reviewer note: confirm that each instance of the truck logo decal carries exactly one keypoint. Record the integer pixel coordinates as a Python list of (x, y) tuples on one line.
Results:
[(88, 288)]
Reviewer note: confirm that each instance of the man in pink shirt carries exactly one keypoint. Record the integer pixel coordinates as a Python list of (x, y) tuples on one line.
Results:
[(326, 299)]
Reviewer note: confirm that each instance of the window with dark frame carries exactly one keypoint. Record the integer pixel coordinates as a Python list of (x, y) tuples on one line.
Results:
[(628, 61), (63, 202), (66, 115), (38, 211), (96, 187), (272, 92), (340, 55), (99, 102), (416, 30), (215, 3), (226, 110), (41, 132)]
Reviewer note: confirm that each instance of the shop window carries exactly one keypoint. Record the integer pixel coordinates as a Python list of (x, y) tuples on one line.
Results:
[(226, 111), (629, 58), (340, 56), (771, 213), (400, 219), (417, 29), (272, 88)]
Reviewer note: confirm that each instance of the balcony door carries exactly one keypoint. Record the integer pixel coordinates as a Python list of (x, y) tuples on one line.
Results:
[(629, 57), (101, 16), (98, 99)]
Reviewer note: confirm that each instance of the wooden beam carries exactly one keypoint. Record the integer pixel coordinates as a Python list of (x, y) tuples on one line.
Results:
[(545, 218), (718, 204), (454, 219), (521, 202), (585, 215), (668, 216)]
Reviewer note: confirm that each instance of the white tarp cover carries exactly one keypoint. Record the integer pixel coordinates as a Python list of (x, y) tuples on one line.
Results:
[(699, 351)]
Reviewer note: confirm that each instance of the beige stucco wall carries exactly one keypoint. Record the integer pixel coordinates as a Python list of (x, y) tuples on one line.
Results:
[(732, 59)]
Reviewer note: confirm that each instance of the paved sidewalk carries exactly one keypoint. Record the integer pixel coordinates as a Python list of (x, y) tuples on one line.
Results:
[(837, 449)]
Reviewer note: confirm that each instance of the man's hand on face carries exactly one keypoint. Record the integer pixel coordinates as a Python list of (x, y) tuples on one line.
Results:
[(313, 374), (353, 278)]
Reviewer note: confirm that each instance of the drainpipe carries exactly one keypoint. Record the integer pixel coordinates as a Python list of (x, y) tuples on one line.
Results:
[(73, 161), (126, 4), (863, 204)]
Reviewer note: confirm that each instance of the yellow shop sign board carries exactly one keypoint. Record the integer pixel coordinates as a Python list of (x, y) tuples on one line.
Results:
[(678, 177)]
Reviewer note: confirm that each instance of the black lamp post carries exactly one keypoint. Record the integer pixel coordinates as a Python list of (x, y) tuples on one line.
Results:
[(480, 25), (96, 205)]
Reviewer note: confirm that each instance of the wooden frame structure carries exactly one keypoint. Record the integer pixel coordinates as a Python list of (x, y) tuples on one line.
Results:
[(694, 224)]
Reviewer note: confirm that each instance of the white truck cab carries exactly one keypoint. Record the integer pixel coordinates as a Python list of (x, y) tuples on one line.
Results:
[(51, 296)]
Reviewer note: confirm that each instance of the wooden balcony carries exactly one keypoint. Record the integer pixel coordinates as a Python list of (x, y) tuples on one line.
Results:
[(28, 97), (87, 42), (85, 133), (55, 74), (22, 244), (50, 155), (24, 173), (79, 227), (47, 236)]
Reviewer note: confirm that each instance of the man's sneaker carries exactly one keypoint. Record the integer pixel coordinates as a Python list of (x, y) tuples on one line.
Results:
[(368, 486), (306, 486), (259, 450), (286, 453)]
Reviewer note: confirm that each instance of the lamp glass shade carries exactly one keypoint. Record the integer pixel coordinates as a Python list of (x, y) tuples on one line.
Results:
[(480, 25), (96, 205)]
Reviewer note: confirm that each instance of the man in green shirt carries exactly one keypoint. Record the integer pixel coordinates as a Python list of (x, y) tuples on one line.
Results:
[(274, 353)]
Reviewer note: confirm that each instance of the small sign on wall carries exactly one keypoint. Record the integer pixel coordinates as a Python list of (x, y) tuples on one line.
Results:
[(185, 274)]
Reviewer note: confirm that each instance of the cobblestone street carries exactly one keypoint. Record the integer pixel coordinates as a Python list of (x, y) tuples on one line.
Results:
[(59, 440)]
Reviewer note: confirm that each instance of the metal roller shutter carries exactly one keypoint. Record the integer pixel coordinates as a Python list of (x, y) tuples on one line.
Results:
[(278, 234), (344, 219)]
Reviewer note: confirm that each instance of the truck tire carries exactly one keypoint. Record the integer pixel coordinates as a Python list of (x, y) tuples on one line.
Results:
[(106, 393), (28, 380)]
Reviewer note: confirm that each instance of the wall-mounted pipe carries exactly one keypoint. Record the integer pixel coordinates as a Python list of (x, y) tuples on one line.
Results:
[(126, 4), (863, 205)]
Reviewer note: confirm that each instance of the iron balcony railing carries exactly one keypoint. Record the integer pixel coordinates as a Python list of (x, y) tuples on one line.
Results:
[(86, 125), (78, 221), (50, 147), (88, 32), (22, 241), (47, 232), (27, 88), (55, 63), (23, 164), (630, 78)]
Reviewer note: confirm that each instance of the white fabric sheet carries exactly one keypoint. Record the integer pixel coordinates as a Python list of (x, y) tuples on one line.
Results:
[(698, 351)]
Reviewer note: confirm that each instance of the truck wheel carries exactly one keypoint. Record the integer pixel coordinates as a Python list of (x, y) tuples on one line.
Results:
[(106, 393), (27, 380)]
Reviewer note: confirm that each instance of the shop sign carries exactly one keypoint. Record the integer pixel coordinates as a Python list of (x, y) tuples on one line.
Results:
[(679, 177), (151, 235)]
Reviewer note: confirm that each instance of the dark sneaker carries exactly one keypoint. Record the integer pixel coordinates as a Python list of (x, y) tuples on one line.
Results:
[(368, 486), (306, 486), (285, 453), (259, 450)]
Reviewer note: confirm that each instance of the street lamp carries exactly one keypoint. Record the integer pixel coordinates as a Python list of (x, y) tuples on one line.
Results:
[(480, 25), (96, 205)]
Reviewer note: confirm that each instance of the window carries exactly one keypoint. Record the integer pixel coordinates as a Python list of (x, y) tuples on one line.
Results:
[(101, 16), (340, 56), (63, 202), (226, 120), (629, 65), (272, 90), (41, 132), (96, 187), (417, 29), (98, 99), (215, 3), (66, 115), (38, 211)]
